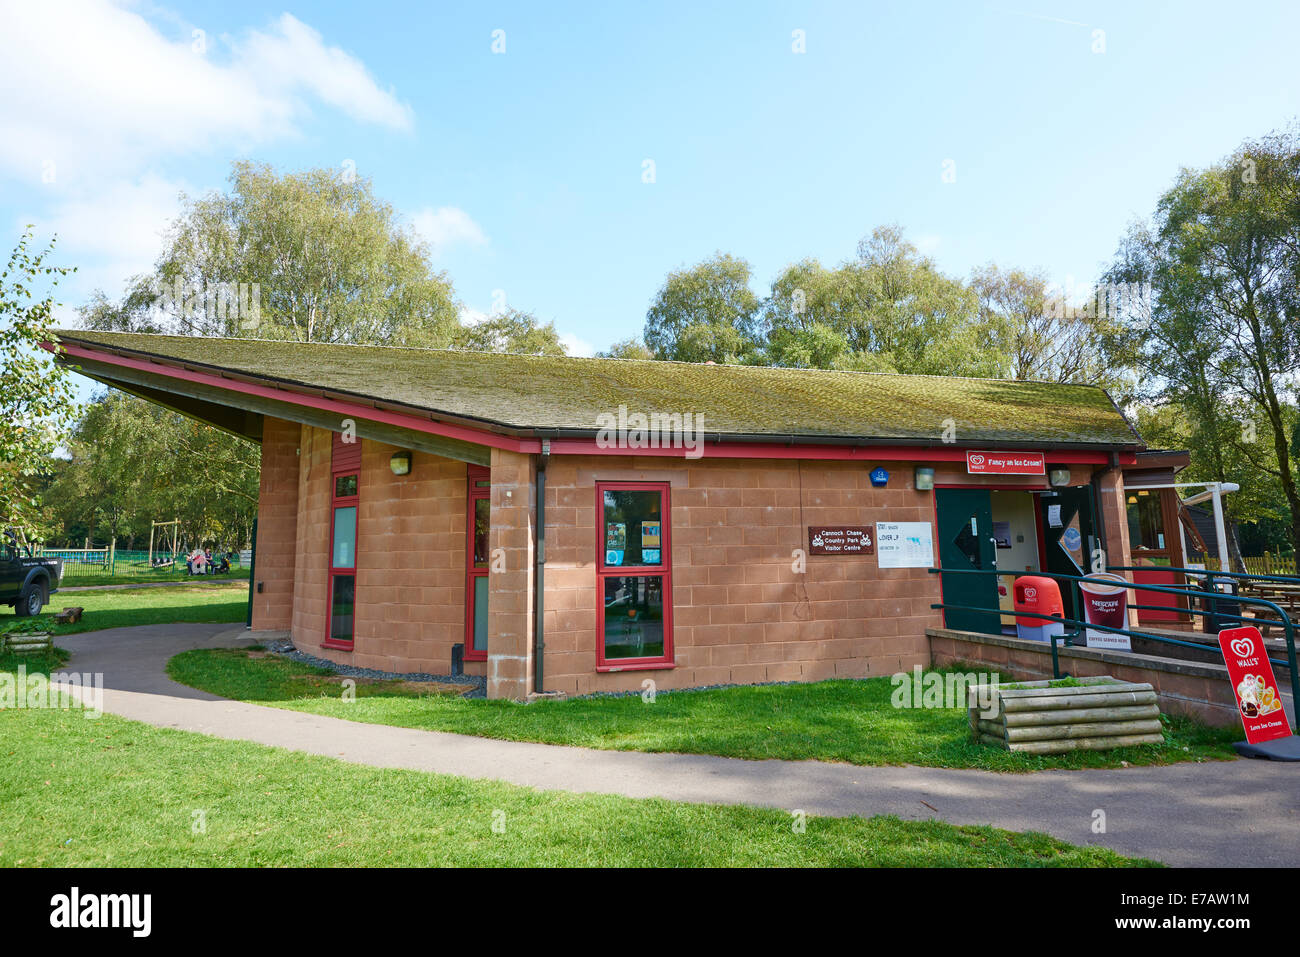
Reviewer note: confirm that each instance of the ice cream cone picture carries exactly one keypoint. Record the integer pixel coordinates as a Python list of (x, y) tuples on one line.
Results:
[(1248, 696)]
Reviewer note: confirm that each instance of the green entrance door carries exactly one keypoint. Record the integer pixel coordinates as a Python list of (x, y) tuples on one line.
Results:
[(966, 542), (1069, 539)]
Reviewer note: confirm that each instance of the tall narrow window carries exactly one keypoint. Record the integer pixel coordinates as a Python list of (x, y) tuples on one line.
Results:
[(341, 621), (633, 576), (477, 527)]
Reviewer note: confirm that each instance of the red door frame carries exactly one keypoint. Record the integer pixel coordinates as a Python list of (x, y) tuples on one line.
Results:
[(664, 570), (473, 475)]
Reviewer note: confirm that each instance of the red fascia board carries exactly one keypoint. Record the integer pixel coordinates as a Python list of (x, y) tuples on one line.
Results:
[(807, 451), (345, 409)]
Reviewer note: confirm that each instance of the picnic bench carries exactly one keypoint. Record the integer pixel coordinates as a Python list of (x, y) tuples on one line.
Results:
[(1283, 594)]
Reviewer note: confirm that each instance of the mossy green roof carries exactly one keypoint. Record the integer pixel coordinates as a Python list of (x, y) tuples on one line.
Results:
[(550, 394)]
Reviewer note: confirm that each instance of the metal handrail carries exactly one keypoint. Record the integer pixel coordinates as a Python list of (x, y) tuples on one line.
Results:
[(1202, 572), (1285, 619)]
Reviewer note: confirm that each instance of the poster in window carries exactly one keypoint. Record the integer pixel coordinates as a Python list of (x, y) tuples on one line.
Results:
[(615, 535), (649, 535), (650, 556)]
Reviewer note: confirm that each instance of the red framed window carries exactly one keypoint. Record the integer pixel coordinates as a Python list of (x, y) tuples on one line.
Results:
[(634, 620), (340, 623), (477, 528)]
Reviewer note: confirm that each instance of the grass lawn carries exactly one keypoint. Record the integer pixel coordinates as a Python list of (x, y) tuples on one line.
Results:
[(851, 721), (142, 606), (80, 792)]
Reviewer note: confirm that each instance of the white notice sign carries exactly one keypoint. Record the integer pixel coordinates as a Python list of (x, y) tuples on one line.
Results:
[(904, 545)]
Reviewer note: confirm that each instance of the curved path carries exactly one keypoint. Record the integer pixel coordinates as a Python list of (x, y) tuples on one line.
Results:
[(1218, 813)]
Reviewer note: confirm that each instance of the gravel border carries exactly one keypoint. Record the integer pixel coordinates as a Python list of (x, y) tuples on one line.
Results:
[(285, 649)]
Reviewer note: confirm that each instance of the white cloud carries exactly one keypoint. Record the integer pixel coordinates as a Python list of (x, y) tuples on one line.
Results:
[(125, 219), (96, 89), (472, 317), (928, 243), (447, 226), (575, 346), (296, 57)]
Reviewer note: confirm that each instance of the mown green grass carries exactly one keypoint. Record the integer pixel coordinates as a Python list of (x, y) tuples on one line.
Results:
[(850, 721), (81, 792), (216, 602)]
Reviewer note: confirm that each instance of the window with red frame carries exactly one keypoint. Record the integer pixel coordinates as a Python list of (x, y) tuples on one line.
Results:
[(634, 626), (345, 465)]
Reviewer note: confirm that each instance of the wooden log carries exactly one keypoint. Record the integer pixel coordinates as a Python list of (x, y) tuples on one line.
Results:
[(1105, 729), (996, 742), (993, 729), (1018, 719), (1062, 702), (1062, 745), (1110, 687)]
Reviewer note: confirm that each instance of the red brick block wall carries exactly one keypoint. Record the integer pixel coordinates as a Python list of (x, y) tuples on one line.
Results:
[(511, 545), (742, 613), (277, 526), (410, 559)]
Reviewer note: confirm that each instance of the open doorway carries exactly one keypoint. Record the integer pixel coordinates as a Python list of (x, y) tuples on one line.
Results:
[(1015, 535), (985, 529), (1013, 531)]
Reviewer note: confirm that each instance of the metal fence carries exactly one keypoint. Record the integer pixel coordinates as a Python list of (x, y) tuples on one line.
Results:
[(1211, 598), (110, 562)]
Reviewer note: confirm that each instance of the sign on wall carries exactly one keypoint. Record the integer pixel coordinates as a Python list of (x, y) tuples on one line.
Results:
[(840, 540), (1259, 702), (904, 544), (1006, 463)]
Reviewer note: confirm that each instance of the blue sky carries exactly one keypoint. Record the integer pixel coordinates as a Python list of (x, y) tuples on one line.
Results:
[(525, 168)]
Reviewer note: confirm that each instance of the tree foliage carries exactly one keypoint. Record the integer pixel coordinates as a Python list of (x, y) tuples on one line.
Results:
[(36, 397), (704, 313), (1220, 336), (132, 462)]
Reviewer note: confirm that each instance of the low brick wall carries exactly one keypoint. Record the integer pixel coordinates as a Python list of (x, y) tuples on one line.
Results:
[(1194, 688)]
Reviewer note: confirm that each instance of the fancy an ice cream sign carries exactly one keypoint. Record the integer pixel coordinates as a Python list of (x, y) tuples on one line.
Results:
[(1258, 700)]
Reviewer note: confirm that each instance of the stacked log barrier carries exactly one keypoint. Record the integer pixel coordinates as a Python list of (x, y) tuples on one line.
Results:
[(1052, 717)]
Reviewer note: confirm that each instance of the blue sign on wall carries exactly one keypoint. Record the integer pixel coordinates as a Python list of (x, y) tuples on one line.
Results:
[(879, 477)]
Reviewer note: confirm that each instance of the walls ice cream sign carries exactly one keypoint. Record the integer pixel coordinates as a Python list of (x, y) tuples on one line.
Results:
[(1259, 702)]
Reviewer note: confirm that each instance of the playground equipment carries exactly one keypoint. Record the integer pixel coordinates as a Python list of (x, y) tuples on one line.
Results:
[(171, 533)]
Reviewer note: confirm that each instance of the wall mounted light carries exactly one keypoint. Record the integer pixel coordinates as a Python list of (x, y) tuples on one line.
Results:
[(400, 463), (924, 481), (1058, 478)]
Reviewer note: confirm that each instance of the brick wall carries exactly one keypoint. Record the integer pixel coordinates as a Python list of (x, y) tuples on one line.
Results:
[(741, 612), (410, 559), (277, 526), (511, 545)]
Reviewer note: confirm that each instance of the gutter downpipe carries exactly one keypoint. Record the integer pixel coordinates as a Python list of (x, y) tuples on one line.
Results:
[(539, 580)]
